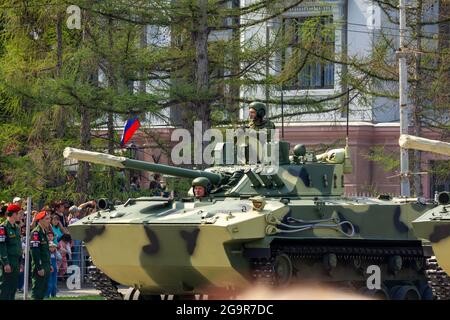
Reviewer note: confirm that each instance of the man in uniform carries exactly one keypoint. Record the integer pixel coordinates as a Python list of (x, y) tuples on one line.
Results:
[(41, 256), (10, 253), (256, 114), (201, 187)]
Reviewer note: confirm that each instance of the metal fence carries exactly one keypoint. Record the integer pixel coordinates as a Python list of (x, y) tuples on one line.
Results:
[(80, 258), (76, 265)]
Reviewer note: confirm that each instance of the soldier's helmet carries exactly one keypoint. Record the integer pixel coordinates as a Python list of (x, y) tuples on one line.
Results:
[(259, 107), (201, 181)]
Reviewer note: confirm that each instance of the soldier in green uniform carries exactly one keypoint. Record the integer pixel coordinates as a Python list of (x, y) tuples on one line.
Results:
[(263, 129), (201, 187), (10, 253), (256, 113), (41, 256)]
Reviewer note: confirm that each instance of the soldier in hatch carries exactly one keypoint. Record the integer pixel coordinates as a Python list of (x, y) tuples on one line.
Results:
[(256, 114), (201, 187)]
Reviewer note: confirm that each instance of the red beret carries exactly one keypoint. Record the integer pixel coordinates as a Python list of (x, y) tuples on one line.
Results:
[(41, 215), (13, 208)]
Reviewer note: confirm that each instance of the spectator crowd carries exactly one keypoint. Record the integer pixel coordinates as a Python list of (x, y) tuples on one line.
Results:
[(50, 241), (64, 251)]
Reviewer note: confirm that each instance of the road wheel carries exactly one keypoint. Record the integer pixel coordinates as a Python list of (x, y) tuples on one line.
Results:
[(283, 270), (404, 293)]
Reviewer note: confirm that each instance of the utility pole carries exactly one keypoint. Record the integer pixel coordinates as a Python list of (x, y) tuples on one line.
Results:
[(403, 93)]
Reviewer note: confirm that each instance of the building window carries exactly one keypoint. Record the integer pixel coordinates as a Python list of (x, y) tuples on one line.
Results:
[(301, 69)]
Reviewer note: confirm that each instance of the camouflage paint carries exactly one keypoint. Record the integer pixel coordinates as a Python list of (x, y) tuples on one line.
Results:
[(162, 246), (203, 245), (434, 226)]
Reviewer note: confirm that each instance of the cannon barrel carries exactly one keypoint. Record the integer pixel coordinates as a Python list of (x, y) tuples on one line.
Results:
[(412, 142), (125, 163)]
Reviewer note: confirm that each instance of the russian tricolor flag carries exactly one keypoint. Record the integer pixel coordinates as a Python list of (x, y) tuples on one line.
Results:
[(130, 128)]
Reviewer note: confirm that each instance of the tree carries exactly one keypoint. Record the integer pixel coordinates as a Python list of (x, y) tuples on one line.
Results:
[(50, 79), (428, 73), (62, 87)]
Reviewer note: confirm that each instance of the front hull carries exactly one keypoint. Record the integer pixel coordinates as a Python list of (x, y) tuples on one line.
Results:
[(204, 249), (173, 259), (435, 228)]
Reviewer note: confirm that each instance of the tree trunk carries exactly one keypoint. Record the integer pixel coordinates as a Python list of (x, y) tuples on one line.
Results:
[(200, 39), (444, 27), (59, 53), (202, 109), (85, 141), (61, 120), (85, 136), (143, 44), (111, 151), (234, 94), (345, 103), (110, 127), (417, 101)]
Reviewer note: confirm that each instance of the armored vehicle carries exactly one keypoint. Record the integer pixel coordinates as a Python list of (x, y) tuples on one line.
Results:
[(434, 225), (256, 225)]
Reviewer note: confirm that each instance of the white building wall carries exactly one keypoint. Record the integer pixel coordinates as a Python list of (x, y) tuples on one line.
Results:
[(156, 36), (359, 45), (366, 22)]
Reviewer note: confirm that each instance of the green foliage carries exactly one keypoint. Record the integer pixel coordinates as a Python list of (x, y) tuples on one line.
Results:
[(40, 101), (387, 159), (180, 186), (440, 171), (46, 93)]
